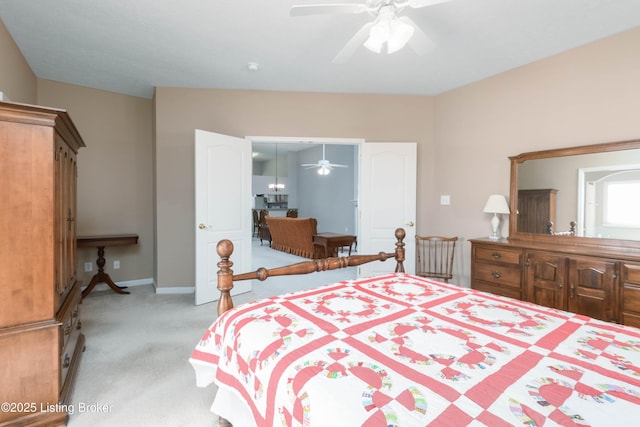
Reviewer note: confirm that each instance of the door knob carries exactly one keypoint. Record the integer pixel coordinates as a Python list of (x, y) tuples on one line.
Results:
[(410, 224), (202, 227)]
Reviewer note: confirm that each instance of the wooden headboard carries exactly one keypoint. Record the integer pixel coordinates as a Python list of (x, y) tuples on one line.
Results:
[(226, 278)]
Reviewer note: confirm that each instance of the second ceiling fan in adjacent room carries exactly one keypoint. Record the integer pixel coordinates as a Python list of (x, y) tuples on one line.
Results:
[(324, 166)]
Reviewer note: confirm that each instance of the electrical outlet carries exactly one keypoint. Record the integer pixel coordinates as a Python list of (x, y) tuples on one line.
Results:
[(445, 199), (88, 266), (116, 264)]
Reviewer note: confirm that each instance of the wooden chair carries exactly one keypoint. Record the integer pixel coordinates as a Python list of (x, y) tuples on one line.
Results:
[(434, 257), (263, 227), (256, 222)]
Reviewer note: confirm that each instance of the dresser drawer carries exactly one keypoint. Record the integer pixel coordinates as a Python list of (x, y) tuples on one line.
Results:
[(631, 320), (505, 291), (69, 354), (631, 273), (498, 255), (631, 298), (498, 274), (70, 317), (630, 312)]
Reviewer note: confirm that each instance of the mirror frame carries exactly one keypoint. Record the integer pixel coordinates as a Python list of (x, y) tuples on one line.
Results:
[(569, 241)]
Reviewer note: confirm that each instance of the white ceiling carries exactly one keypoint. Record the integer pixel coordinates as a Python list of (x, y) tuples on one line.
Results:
[(132, 46)]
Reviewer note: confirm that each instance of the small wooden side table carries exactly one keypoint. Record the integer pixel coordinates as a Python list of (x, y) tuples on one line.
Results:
[(101, 242), (332, 241)]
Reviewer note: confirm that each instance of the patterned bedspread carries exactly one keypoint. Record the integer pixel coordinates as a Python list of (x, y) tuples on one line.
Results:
[(400, 350)]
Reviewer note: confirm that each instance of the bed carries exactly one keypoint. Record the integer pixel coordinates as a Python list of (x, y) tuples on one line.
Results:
[(402, 350)]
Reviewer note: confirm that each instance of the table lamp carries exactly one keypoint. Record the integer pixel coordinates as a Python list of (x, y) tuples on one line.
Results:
[(496, 204)]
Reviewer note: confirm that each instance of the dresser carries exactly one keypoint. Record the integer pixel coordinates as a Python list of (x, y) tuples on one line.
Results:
[(41, 338), (599, 282)]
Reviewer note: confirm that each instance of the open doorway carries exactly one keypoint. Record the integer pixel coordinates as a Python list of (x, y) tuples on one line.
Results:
[(383, 168), (382, 171), (281, 182)]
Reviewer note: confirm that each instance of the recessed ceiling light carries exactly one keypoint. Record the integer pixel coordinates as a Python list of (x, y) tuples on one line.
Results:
[(253, 66)]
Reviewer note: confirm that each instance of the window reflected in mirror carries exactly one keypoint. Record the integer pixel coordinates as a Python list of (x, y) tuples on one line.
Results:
[(611, 202)]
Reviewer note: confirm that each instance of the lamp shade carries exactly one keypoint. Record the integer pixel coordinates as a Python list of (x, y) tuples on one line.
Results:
[(497, 203)]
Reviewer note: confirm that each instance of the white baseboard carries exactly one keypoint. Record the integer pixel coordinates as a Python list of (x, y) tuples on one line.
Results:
[(174, 290)]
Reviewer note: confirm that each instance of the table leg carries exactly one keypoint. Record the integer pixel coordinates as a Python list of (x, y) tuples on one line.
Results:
[(327, 250), (102, 277)]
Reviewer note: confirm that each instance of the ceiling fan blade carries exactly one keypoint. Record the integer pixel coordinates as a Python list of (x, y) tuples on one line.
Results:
[(334, 165), (326, 9), (310, 165), (416, 4), (419, 42), (352, 45)]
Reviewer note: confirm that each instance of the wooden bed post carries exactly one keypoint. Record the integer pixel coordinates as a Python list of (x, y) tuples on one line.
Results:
[(400, 235), (225, 275)]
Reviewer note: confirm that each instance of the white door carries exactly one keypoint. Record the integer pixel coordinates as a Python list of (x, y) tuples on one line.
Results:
[(223, 209), (387, 201)]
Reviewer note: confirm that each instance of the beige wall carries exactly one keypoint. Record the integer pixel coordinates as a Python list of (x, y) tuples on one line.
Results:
[(251, 113), (583, 96), (464, 136), (115, 178), (17, 81)]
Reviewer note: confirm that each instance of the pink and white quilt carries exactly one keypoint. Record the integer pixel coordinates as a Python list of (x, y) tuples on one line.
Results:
[(401, 350)]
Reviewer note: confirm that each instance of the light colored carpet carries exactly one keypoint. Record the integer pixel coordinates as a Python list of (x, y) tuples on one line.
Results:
[(136, 364)]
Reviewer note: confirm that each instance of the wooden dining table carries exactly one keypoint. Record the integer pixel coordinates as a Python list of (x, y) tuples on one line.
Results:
[(331, 242)]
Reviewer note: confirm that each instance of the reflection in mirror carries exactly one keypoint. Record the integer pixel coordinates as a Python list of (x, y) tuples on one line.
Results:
[(599, 191), (610, 202)]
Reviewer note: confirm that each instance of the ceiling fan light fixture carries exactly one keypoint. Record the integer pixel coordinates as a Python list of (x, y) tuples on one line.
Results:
[(399, 35), (373, 45), (324, 170), (390, 30), (378, 35)]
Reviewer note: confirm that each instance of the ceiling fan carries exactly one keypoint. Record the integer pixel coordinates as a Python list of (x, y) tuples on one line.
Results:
[(324, 166), (387, 27)]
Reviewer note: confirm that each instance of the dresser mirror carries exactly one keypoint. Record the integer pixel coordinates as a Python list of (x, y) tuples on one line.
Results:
[(588, 192)]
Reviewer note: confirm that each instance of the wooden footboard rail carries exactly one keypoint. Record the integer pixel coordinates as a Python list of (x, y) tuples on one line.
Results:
[(226, 276)]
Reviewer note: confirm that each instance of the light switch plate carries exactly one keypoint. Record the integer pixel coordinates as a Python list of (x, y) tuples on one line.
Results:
[(445, 199)]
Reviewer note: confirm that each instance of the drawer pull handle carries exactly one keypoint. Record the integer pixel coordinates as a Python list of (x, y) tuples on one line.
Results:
[(560, 286), (79, 325), (496, 274), (67, 361), (496, 255), (67, 329)]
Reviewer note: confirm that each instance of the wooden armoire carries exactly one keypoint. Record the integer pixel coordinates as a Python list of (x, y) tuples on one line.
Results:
[(40, 330), (536, 208)]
